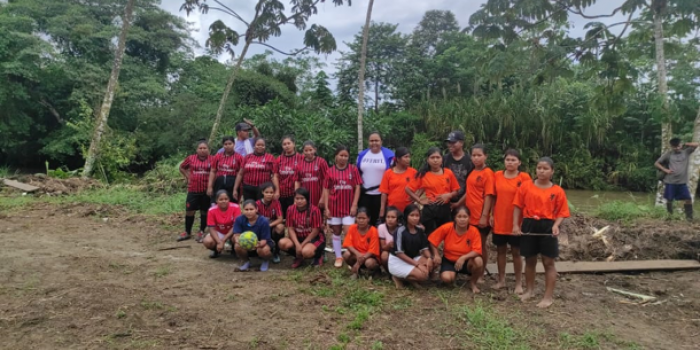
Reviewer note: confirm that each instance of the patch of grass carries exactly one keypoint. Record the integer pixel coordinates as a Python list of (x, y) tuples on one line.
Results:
[(162, 271), (343, 338), (152, 305), (323, 292), (131, 198), (628, 211), (120, 314), (402, 304), (253, 344), (360, 317), (377, 345), (488, 330), (591, 340), (4, 171), (15, 202), (358, 298)]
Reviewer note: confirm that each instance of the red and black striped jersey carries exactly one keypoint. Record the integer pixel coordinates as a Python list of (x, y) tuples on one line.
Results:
[(199, 173), (272, 210), (258, 169), (285, 168), (311, 176), (305, 221), (341, 185), (227, 165)]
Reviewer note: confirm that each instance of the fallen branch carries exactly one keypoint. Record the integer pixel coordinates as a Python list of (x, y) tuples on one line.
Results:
[(173, 248), (645, 298)]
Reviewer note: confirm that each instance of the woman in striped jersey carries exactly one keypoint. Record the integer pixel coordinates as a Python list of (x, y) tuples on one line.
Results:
[(304, 222), (196, 168), (224, 168), (258, 168), (342, 192), (270, 208), (311, 173), (285, 169)]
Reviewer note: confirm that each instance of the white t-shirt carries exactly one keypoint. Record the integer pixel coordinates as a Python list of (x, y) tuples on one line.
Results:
[(373, 167)]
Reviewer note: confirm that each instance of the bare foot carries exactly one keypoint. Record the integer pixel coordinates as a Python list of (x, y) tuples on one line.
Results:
[(518, 289), (397, 282), (526, 296), (481, 280), (545, 303), (417, 285), (500, 285), (475, 289)]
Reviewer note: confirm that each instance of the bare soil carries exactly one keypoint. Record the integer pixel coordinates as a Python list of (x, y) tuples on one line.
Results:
[(93, 277)]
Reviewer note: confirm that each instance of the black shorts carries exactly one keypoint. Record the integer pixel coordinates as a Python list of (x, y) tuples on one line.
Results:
[(286, 202), (319, 242), (533, 245), (449, 266), (434, 216), (501, 240), (484, 231), (197, 201), (224, 183), (251, 192)]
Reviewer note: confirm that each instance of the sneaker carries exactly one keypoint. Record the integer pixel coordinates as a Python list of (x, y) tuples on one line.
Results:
[(297, 262), (200, 237), (276, 259), (318, 262), (338, 262), (183, 237), (265, 265), (214, 254), (227, 246), (245, 266)]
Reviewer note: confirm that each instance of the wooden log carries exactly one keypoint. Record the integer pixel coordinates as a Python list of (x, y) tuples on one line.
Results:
[(614, 266), (18, 185)]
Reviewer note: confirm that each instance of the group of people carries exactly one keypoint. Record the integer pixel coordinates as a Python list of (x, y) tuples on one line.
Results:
[(414, 223)]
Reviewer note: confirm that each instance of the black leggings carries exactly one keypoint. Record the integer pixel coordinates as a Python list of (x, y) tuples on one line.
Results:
[(224, 183), (373, 203), (434, 216), (251, 192)]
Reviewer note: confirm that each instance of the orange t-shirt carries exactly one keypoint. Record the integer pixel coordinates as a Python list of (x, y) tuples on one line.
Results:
[(479, 185), (506, 189), (541, 203), (435, 185), (394, 186), (455, 245), (369, 242)]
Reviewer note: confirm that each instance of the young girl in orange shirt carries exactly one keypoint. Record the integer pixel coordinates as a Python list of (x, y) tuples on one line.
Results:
[(542, 206)]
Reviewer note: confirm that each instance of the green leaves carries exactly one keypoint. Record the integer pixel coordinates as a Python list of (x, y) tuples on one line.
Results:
[(221, 38), (319, 39)]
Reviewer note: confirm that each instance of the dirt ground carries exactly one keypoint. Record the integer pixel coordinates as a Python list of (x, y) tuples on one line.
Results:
[(69, 279)]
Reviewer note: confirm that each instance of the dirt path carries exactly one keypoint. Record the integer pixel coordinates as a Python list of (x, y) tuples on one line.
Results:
[(69, 280)]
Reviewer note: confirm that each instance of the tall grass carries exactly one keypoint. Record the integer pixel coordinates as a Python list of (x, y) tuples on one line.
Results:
[(629, 211)]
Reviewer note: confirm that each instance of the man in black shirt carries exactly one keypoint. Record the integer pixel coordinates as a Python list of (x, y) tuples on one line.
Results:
[(458, 161)]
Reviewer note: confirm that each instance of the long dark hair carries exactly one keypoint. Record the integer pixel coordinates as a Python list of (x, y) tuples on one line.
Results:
[(408, 210), (399, 215), (400, 152), (425, 168)]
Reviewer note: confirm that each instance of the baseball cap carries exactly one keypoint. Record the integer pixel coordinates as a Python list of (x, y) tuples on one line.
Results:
[(455, 136), (242, 127)]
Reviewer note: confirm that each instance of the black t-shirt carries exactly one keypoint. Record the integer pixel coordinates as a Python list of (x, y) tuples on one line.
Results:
[(461, 168), (409, 243)]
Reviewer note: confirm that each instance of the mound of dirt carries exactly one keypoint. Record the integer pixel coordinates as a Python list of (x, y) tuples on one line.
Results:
[(54, 186), (638, 241)]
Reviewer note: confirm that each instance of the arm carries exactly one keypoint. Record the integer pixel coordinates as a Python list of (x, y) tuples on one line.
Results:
[(265, 236), (386, 246), (324, 199), (555, 227), (210, 184), (516, 220), (311, 236), (446, 197), (461, 201), (237, 184), (437, 259), (186, 174), (486, 211), (276, 182), (692, 144), (382, 207), (415, 197), (277, 221), (462, 259), (355, 200), (663, 159)]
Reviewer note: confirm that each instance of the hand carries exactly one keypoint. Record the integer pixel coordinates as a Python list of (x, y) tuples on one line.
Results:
[(276, 196), (261, 244), (459, 264), (437, 261), (555, 230), (668, 171), (361, 260), (220, 246), (516, 231), (210, 191), (299, 254), (187, 180), (443, 198), (425, 201), (353, 211), (356, 267), (381, 213), (235, 194), (327, 212), (321, 205), (454, 206), (491, 221), (247, 121), (483, 222)]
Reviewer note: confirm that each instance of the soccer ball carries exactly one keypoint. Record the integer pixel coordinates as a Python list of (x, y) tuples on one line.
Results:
[(248, 240)]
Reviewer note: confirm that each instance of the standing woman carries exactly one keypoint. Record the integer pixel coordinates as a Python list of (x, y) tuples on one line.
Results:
[(342, 192), (224, 168), (480, 195), (285, 168), (257, 169), (311, 174), (410, 255), (440, 186), (196, 169), (373, 163), (542, 206), (507, 183), (395, 180), (387, 230), (304, 222)]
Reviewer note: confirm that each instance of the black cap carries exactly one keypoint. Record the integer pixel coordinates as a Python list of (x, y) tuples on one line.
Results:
[(455, 136), (242, 127)]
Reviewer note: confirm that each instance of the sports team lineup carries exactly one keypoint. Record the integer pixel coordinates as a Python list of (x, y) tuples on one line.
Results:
[(376, 214)]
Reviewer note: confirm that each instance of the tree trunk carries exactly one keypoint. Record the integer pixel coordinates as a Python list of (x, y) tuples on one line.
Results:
[(361, 78), (229, 84), (694, 164), (93, 152), (666, 128)]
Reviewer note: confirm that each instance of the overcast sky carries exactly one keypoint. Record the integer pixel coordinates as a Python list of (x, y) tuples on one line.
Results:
[(344, 22)]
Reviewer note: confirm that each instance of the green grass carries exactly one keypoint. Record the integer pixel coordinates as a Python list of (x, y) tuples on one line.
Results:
[(486, 329), (4, 171), (628, 211)]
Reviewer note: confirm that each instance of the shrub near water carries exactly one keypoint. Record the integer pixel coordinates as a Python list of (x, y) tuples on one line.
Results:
[(628, 211)]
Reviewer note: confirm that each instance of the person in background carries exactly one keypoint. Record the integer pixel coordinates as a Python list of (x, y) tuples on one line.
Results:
[(311, 174), (285, 168), (506, 183), (245, 145), (196, 169), (258, 168), (675, 164), (270, 208), (373, 163), (459, 162), (542, 206), (395, 180), (224, 168)]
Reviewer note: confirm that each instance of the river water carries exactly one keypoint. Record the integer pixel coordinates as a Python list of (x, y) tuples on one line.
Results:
[(587, 201)]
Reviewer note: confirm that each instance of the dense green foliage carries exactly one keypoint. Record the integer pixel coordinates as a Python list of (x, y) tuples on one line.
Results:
[(589, 102)]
